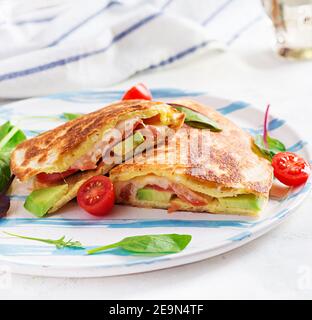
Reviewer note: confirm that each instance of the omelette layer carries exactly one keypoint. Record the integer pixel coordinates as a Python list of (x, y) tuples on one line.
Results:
[(204, 171)]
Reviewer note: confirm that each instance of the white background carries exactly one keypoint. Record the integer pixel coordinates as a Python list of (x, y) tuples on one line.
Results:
[(279, 264)]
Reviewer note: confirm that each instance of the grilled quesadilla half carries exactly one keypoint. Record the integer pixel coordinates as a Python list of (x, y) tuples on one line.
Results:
[(198, 170), (92, 144)]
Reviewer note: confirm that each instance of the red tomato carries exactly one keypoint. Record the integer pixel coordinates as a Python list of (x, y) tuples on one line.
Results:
[(96, 196), (139, 91), (54, 177), (291, 169)]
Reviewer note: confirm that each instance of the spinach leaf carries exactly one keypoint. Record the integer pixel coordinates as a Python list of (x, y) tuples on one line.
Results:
[(10, 137), (273, 147), (197, 120), (5, 172), (71, 116), (157, 243), (4, 129)]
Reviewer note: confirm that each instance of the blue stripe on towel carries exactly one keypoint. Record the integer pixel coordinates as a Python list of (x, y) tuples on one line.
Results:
[(68, 60), (34, 21), (245, 28), (178, 56), (216, 12), (83, 22)]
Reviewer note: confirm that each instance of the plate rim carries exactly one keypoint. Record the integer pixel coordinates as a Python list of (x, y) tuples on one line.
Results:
[(222, 246)]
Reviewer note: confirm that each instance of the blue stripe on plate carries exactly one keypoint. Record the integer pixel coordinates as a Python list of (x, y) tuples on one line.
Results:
[(75, 58), (109, 96), (32, 133), (216, 12), (126, 223), (32, 250), (273, 125), (303, 190), (237, 105), (17, 197), (241, 236), (297, 146), (47, 250), (83, 22)]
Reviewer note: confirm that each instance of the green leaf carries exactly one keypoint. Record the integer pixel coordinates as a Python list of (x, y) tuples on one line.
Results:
[(59, 243), (197, 120), (157, 243), (4, 129), (5, 172), (17, 138), (273, 147), (71, 116), (10, 137)]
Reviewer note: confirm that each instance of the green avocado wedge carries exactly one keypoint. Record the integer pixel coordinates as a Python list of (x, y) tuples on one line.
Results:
[(40, 201), (247, 201), (129, 144), (154, 195)]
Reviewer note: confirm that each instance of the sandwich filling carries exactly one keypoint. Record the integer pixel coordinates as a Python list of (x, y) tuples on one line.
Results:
[(161, 192)]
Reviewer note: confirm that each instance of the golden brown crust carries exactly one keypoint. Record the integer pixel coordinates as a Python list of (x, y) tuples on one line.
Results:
[(57, 149), (226, 159)]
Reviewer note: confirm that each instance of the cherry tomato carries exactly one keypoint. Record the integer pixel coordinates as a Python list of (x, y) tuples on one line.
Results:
[(54, 177), (291, 169), (139, 91), (96, 196)]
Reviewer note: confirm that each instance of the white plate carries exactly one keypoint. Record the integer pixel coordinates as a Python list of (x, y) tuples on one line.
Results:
[(212, 234)]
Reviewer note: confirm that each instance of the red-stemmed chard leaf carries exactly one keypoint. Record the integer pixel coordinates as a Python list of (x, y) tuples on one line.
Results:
[(267, 145), (265, 126)]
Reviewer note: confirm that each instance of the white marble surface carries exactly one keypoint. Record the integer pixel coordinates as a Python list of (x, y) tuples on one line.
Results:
[(279, 264)]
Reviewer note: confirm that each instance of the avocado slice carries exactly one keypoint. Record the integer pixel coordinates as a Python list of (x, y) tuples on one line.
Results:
[(154, 195), (244, 201), (40, 201), (128, 144)]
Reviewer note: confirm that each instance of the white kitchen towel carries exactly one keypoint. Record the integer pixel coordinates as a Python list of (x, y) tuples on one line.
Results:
[(53, 45)]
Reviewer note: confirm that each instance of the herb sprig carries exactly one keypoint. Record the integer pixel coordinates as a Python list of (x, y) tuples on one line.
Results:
[(59, 243)]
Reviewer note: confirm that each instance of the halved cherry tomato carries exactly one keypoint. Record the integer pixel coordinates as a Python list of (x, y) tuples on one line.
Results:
[(139, 91), (54, 177), (291, 169), (96, 196)]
